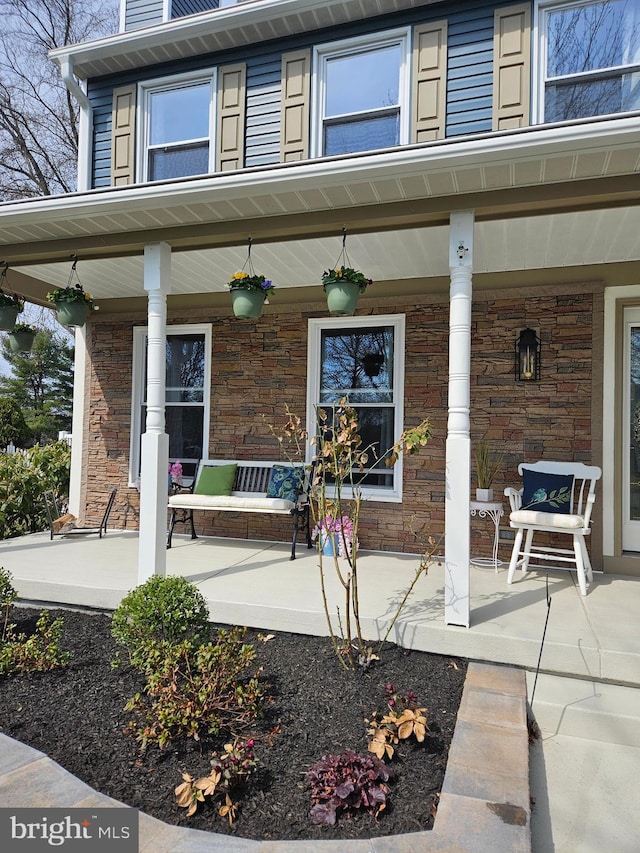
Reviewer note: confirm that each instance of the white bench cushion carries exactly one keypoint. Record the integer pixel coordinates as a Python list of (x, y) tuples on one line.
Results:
[(547, 519), (254, 503)]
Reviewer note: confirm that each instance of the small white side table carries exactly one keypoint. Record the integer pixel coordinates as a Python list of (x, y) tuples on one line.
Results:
[(494, 510)]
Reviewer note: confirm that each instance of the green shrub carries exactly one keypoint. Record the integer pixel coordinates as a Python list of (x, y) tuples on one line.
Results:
[(23, 478), (191, 691), (38, 653), (13, 427), (8, 595), (164, 611)]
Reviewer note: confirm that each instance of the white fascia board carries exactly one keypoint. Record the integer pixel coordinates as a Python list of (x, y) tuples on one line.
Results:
[(398, 164), (227, 19)]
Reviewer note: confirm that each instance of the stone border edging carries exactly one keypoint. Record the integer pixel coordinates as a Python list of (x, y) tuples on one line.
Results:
[(484, 804)]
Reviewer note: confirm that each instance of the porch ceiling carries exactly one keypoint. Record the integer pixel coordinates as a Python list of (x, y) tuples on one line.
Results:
[(576, 239), (543, 198)]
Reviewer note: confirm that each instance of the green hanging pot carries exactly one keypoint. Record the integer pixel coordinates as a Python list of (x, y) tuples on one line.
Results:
[(72, 313), (247, 304), (21, 341), (8, 316), (342, 298)]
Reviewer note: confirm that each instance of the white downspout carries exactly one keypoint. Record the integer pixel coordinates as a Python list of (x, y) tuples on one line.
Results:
[(85, 129), (85, 135)]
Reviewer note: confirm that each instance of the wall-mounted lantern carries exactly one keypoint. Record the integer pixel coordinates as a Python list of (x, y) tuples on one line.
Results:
[(528, 356)]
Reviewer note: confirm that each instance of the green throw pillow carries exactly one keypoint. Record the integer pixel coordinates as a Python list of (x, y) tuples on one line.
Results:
[(216, 480)]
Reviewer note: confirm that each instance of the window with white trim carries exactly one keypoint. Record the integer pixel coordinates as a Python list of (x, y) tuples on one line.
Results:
[(362, 359), (361, 94), (589, 59), (188, 380), (177, 132)]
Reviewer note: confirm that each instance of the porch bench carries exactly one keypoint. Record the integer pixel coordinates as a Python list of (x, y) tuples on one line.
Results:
[(255, 488)]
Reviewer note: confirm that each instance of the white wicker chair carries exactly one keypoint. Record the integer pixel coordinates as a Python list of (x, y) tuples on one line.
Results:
[(575, 523)]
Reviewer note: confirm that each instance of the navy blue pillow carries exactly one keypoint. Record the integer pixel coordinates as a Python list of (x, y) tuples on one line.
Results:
[(545, 492), (285, 482)]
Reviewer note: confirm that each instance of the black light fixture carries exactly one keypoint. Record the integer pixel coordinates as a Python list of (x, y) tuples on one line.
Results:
[(528, 356)]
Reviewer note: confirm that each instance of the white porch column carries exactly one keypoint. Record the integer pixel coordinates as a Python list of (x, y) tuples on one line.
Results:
[(458, 449), (152, 553), (77, 419)]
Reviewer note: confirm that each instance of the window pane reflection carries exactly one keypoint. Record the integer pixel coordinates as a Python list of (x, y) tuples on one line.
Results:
[(358, 365)]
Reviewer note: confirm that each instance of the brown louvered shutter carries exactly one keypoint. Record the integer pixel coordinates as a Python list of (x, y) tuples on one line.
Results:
[(511, 66), (232, 90), (294, 105), (429, 103), (123, 138)]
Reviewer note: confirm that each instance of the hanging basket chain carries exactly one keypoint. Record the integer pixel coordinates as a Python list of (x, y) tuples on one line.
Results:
[(74, 273), (343, 257), (5, 287), (248, 264)]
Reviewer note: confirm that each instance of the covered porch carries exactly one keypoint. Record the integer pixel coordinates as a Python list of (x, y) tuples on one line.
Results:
[(254, 583), (484, 220)]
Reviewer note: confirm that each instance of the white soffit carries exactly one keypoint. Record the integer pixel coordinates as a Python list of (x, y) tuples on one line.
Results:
[(564, 159), (243, 25)]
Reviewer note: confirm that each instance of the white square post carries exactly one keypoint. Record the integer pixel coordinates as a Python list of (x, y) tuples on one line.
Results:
[(152, 546), (458, 445)]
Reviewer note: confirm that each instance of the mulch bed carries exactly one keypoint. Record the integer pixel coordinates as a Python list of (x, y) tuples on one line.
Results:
[(77, 717)]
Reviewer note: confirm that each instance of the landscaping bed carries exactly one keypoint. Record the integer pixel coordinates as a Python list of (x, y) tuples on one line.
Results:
[(76, 716)]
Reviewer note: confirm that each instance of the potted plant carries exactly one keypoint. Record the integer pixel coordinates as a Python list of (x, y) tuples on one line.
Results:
[(73, 304), (343, 286), (249, 292), (335, 533), (10, 307), (488, 464), (21, 337)]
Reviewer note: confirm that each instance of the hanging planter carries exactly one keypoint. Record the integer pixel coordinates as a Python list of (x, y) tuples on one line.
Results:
[(72, 303), (249, 292), (72, 313), (21, 337), (343, 284), (10, 304)]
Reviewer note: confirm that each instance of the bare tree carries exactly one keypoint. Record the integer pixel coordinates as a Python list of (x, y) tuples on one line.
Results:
[(38, 116)]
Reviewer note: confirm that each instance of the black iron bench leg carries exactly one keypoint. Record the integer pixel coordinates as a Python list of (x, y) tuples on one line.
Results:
[(172, 524), (183, 520), (300, 520)]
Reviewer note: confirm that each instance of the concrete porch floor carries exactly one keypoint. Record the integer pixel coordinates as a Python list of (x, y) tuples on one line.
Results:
[(582, 771), (255, 584)]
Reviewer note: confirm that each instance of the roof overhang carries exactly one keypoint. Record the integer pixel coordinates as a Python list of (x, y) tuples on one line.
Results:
[(395, 204), (243, 25)]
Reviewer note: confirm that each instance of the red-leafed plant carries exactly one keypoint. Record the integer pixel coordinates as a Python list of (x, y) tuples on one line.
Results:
[(348, 782)]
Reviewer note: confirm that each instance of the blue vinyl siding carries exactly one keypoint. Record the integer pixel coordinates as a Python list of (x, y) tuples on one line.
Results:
[(262, 136), (180, 8), (142, 13), (470, 71), (469, 75)]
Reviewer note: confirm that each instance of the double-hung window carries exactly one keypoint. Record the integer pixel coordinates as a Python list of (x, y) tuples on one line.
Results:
[(361, 94), (589, 59), (188, 381), (362, 359), (177, 128)]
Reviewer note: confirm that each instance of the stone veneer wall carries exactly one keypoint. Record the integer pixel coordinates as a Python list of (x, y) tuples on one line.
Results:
[(259, 366)]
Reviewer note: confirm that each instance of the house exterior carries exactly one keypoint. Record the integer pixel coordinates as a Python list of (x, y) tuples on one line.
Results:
[(482, 160)]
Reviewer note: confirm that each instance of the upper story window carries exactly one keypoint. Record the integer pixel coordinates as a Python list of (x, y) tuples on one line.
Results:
[(177, 136), (590, 59), (361, 94)]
